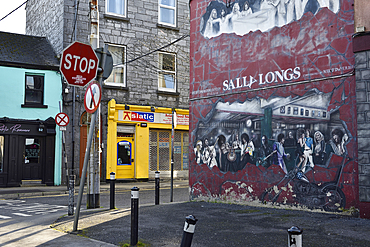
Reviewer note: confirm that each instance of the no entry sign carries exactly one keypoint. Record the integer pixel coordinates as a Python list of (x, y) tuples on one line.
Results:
[(62, 119), (92, 97), (79, 64)]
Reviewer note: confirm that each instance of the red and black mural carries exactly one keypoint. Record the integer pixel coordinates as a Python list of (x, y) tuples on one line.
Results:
[(272, 102)]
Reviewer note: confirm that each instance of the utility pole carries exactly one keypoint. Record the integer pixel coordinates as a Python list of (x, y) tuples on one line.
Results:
[(93, 182)]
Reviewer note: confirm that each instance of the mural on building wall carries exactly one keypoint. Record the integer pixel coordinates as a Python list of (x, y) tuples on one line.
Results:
[(242, 16), (298, 135), (273, 111)]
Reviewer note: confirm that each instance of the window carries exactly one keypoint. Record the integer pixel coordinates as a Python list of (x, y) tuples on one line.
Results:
[(116, 7), (118, 75), (34, 91), (167, 12), (167, 72)]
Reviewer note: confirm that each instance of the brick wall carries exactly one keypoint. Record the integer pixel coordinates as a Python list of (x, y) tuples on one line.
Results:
[(362, 67)]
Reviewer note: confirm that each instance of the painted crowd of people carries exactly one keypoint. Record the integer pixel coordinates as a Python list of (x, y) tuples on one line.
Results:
[(243, 16), (307, 150)]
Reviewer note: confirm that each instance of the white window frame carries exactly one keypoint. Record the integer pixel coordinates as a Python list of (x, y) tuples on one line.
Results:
[(117, 84), (113, 13), (167, 7), (160, 71)]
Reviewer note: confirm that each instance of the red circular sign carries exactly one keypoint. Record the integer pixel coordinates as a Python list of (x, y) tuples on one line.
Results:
[(62, 119), (79, 64), (92, 97)]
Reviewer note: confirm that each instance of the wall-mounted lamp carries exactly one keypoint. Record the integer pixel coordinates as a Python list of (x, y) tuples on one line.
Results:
[(127, 107), (152, 109), (41, 127)]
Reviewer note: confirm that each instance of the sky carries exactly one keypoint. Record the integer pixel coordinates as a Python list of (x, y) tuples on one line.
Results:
[(16, 22)]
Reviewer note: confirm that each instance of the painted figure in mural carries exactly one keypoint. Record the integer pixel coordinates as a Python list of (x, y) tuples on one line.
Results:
[(300, 148), (319, 151), (264, 153), (209, 154), (280, 153), (337, 143), (221, 158), (198, 152), (213, 25), (246, 151), (246, 9), (308, 151), (290, 141)]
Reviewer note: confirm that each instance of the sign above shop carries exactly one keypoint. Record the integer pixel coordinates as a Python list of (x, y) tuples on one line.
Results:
[(152, 117)]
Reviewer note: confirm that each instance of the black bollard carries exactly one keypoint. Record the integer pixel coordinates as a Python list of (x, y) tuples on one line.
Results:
[(189, 228), (294, 237), (157, 188), (134, 215), (112, 189)]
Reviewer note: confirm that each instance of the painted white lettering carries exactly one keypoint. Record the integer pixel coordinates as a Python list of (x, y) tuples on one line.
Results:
[(280, 76), (237, 83), (91, 65), (83, 60), (251, 81), (297, 72), (261, 80), (76, 61), (272, 77), (67, 61), (245, 81), (226, 85), (231, 85), (286, 75)]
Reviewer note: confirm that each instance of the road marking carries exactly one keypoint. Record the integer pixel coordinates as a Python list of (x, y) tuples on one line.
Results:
[(4, 217), (20, 214)]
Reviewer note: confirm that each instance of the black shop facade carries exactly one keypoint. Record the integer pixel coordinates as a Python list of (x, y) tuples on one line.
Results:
[(27, 151)]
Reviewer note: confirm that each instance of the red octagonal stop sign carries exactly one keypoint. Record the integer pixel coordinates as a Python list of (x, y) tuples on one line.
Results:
[(79, 64)]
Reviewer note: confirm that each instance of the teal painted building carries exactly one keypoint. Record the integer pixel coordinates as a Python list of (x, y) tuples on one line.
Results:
[(30, 98)]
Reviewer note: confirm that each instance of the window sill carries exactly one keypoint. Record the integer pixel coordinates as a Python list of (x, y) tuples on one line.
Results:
[(116, 17), (168, 27), (118, 87), (33, 106), (168, 93)]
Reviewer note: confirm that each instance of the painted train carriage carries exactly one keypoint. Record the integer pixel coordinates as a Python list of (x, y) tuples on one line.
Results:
[(272, 102)]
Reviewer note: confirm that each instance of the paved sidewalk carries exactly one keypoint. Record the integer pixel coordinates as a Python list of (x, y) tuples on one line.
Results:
[(219, 224), (18, 192)]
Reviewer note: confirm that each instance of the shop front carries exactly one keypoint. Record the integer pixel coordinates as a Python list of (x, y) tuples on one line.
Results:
[(139, 141), (27, 151)]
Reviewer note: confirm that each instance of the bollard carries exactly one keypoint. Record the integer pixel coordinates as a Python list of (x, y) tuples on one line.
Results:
[(294, 237), (189, 228), (71, 190), (157, 188), (112, 189), (134, 215)]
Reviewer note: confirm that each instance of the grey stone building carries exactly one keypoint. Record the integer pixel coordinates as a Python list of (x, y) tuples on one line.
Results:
[(149, 44)]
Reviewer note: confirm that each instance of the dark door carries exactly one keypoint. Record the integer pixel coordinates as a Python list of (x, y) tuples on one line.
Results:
[(32, 161)]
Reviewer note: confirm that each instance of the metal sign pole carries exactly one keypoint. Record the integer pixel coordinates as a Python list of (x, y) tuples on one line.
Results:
[(172, 153), (88, 145)]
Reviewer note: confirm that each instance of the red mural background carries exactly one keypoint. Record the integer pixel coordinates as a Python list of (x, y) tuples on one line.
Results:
[(234, 68)]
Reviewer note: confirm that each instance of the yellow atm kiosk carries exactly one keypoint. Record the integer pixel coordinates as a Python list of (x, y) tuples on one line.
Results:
[(139, 141)]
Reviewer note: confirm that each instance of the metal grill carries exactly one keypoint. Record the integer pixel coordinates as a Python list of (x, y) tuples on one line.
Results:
[(153, 154), (164, 150), (177, 151)]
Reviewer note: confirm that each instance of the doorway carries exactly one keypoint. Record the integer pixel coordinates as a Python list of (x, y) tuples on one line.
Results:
[(125, 157), (32, 158)]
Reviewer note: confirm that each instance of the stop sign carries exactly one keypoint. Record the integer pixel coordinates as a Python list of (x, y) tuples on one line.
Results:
[(79, 64)]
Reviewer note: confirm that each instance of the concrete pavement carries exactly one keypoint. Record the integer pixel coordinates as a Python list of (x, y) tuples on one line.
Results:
[(219, 224)]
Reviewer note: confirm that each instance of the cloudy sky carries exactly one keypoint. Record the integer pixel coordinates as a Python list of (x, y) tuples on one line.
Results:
[(16, 22)]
